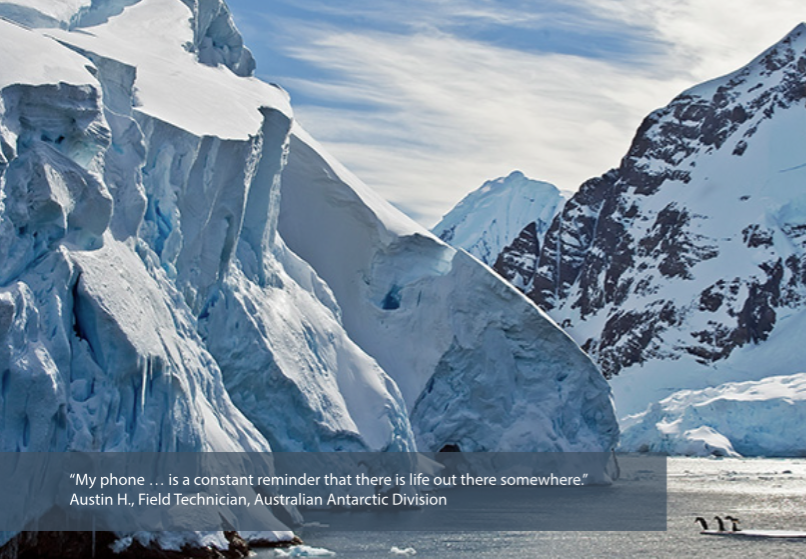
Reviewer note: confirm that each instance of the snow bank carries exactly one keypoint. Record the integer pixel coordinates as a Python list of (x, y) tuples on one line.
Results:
[(757, 418), (172, 86)]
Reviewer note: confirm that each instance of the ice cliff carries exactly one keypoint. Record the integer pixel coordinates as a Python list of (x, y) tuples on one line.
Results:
[(755, 418), (148, 301), (478, 364), (114, 182)]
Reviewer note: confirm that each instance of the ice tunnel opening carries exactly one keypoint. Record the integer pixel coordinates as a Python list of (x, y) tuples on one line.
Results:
[(392, 299)]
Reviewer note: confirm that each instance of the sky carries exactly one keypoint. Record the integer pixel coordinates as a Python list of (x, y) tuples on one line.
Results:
[(425, 100)]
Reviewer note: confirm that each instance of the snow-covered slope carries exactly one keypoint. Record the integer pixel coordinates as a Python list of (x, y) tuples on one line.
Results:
[(488, 219), (763, 418), (478, 364), (672, 268)]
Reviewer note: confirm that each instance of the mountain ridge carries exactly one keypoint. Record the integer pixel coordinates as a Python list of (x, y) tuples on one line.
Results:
[(693, 248)]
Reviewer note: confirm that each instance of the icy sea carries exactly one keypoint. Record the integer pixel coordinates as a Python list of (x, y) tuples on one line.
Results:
[(763, 493)]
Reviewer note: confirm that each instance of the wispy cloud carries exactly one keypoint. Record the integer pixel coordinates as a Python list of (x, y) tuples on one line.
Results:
[(450, 113), (711, 38), (426, 100)]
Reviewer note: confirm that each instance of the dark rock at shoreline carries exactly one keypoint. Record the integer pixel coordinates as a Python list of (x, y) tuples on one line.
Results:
[(263, 543), (79, 545)]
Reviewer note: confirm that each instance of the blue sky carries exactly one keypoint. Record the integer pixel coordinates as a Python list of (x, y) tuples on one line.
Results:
[(426, 100)]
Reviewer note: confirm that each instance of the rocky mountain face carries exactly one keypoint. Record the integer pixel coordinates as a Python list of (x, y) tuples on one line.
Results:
[(517, 261), (694, 247)]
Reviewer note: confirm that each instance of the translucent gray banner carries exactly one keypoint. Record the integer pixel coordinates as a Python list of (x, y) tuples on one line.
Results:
[(341, 491)]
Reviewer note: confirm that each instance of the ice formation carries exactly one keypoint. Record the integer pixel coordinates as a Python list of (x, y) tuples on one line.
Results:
[(304, 551), (142, 190), (755, 418), (148, 301), (147, 304), (402, 551), (478, 364)]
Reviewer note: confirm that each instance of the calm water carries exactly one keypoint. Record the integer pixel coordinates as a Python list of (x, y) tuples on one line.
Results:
[(763, 493)]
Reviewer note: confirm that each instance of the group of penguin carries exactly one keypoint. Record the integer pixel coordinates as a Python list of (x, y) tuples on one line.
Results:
[(734, 523)]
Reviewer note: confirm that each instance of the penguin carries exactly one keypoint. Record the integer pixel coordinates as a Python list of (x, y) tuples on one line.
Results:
[(734, 523)]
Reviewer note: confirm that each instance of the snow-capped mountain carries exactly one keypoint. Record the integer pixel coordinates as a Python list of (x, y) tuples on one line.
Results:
[(148, 301), (675, 269), (487, 220)]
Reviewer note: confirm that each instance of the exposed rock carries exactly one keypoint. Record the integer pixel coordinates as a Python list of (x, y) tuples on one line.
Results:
[(80, 545), (516, 263), (695, 245)]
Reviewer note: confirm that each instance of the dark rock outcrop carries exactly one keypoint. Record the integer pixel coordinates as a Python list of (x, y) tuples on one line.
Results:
[(80, 545)]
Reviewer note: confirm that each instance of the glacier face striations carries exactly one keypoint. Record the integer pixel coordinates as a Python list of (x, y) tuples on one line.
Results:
[(194, 219), (148, 299)]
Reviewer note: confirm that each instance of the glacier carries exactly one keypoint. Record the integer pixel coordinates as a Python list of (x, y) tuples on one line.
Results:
[(184, 269), (198, 201), (142, 284), (479, 366), (753, 418)]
